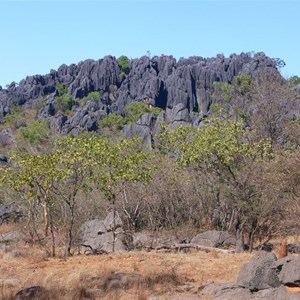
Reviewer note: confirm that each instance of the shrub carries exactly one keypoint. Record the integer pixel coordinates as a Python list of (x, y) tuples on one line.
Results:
[(96, 95), (65, 103), (135, 110), (122, 75), (61, 89), (35, 133), (294, 80), (16, 118), (112, 121), (123, 62)]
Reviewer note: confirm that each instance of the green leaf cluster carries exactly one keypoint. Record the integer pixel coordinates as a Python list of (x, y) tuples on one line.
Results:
[(36, 132), (123, 62), (112, 121), (61, 89), (96, 95), (16, 118), (65, 103), (135, 110)]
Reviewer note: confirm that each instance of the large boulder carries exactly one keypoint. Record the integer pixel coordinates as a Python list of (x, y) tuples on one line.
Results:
[(289, 270), (103, 236), (142, 128), (279, 293), (214, 238), (258, 274), (10, 212)]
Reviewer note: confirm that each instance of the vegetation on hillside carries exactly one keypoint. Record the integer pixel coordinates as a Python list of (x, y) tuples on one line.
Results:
[(239, 171)]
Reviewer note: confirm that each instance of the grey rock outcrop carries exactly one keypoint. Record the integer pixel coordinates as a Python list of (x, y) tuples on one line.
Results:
[(258, 274), (162, 81), (9, 212), (103, 236), (214, 238), (289, 270), (264, 277)]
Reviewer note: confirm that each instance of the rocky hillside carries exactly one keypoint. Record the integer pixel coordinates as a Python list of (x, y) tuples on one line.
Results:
[(182, 88)]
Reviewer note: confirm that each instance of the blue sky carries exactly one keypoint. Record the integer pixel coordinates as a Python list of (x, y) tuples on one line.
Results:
[(40, 35)]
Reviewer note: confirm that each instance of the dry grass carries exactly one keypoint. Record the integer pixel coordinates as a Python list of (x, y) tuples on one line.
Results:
[(162, 272)]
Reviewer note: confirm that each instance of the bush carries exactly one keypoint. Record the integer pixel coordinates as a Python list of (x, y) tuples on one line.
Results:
[(91, 96), (65, 103), (112, 121), (15, 119), (123, 62), (122, 75), (35, 133), (135, 110), (61, 89), (294, 80)]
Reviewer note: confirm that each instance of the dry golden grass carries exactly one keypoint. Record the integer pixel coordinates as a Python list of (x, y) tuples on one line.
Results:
[(163, 272)]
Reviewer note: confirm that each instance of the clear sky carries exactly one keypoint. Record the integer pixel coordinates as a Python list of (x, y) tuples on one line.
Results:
[(40, 35)]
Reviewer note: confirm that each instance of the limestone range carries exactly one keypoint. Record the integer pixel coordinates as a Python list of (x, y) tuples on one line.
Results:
[(182, 89)]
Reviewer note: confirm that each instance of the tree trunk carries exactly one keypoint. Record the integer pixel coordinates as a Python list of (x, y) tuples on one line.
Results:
[(239, 247), (46, 218), (52, 233)]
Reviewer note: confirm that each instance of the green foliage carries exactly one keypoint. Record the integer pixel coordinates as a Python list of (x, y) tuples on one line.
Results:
[(61, 89), (16, 118), (243, 82), (65, 103), (135, 110), (112, 121), (294, 80), (123, 62), (122, 75), (96, 95), (34, 133)]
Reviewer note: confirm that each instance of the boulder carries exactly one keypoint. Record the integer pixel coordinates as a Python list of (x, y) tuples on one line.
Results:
[(103, 236), (121, 280), (34, 292), (214, 238), (289, 270), (12, 236), (258, 274), (142, 129), (9, 212), (3, 159), (280, 293), (294, 247)]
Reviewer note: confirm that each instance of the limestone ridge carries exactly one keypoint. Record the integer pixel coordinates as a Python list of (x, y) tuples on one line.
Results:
[(161, 81)]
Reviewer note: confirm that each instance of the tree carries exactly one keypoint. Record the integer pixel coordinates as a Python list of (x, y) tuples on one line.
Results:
[(222, 150), (123, 62), (109, 164), (35, 176), (75, 164)]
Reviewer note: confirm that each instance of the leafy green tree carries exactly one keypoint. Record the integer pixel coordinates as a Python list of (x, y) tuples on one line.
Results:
[(113, 122), (224, 152), (109, 164), (96, 95), (65, 103), (123, 62), (61, 89), (294, 80), (135, 110), (36, 132), (35, 176)]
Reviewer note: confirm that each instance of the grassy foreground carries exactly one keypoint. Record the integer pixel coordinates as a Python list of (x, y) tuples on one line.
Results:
[(163, 273)]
